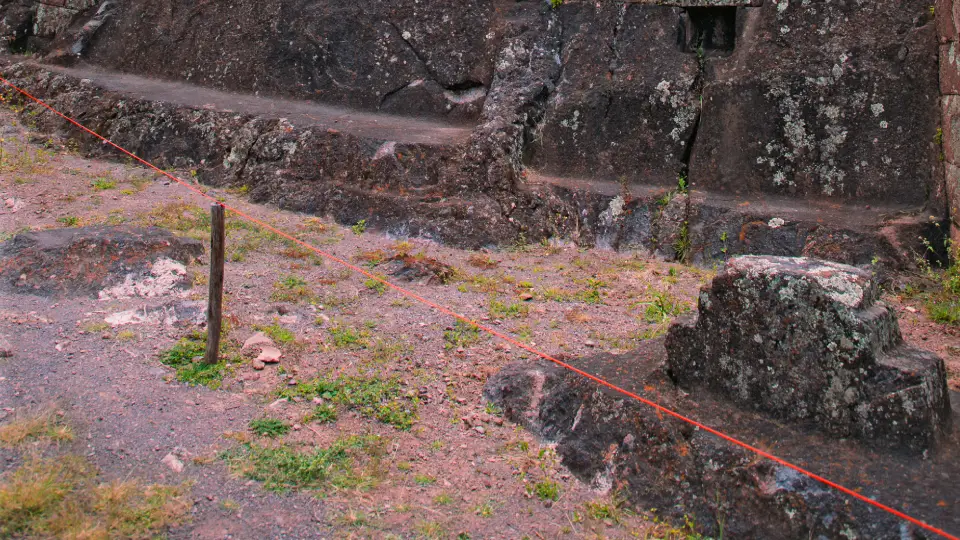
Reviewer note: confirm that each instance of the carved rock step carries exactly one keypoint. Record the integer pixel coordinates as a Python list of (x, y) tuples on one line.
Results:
[(806, 340)]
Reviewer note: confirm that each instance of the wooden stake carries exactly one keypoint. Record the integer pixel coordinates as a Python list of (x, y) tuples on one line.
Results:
[(218, 236)]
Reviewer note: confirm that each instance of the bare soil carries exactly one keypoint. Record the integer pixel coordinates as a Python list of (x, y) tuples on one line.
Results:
[(441, 478)]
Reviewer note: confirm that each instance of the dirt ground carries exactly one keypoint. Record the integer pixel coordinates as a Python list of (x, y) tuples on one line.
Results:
[(457, 471)]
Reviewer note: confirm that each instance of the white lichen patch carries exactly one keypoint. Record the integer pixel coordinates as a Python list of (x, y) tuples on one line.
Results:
[(165, 276)]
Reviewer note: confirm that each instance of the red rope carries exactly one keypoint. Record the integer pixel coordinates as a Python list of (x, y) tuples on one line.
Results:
[(491, 331)]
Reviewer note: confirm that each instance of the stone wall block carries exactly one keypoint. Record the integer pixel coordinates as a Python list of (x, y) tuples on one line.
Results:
[(946, 25)]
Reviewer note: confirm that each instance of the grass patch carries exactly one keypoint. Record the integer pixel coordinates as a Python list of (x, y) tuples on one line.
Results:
[(348, 337), (322, 414), (181, 357), (461, 334), (60, 497), (103, 184), (279, 334), (547, 490), (281, 468), (69, 221), (373, 397), (376, 286), (662, 308), (40, 425), (502, 310), (293, 289), (269, 427), (424, 479)]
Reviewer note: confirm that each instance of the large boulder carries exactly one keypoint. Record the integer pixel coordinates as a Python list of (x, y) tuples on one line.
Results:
[(808, 340), (93, 260)]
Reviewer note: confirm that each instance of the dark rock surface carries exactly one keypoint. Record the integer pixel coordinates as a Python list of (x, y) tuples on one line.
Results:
[(760, 109), (84, 261), (616, 443), (807, 340), (401, 57)]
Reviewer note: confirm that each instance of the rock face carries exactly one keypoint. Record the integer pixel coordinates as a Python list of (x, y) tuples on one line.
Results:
[(85, 261), (807, 340), (658, 462), (579, 119)]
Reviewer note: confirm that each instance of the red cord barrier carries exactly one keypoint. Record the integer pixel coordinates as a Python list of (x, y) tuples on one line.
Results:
[(491, 331)]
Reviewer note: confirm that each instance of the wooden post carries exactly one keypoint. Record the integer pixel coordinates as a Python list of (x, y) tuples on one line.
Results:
[(215, 302)]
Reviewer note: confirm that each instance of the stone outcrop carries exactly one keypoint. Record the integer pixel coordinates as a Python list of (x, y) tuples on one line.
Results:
[(807, 340), (580, 119), (614, 443), (88, 260)]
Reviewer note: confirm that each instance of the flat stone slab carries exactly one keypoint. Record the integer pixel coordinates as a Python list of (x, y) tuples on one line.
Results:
[(807, 340), (89, 260)]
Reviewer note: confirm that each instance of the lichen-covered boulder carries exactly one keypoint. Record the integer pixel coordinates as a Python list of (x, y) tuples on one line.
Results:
[(89, 260), (808, 340)]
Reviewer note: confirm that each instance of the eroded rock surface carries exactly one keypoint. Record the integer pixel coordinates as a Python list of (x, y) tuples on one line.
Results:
[(808, 340), (759, 108), (91, 260), (658, 462)]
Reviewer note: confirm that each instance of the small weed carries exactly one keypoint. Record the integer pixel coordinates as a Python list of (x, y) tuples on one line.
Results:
[(547, 490), (103, 184), (662, 307), (348, 337), (323, 414), (431, 530), (182, 357), (484, 510), (95, 327), (592, 293), (126, 335), (482, 260), (443, 499), (277, 333), (461, 334), (293, 289), (69, 221), (269, 427), (501, 310), (424, 479), (376, 286), (360, 227), (682, 245)]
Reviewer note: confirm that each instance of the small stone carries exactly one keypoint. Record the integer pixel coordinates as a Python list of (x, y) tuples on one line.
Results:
[(257, 340), (6, 349), (258, 365), (173, 462), (249, 377), (297, 427), (590, 343), (270, 355), (526, 297), (480, 429)]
